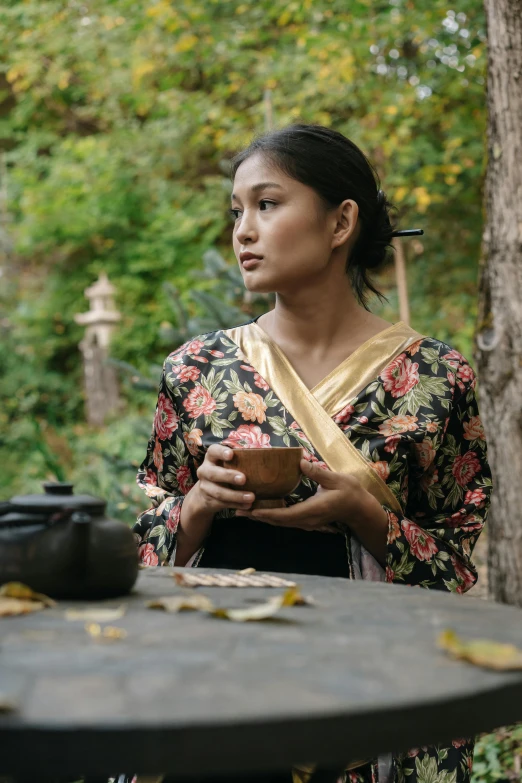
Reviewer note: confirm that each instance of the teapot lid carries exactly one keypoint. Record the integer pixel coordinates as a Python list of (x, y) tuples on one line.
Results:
[(58, 495)]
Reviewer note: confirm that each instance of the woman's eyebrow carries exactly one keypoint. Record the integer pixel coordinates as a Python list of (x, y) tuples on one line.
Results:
[(260, 186)]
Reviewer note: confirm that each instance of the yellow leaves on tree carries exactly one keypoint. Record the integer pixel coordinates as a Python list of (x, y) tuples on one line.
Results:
[(422, 198), (186, 43), (140, 70)]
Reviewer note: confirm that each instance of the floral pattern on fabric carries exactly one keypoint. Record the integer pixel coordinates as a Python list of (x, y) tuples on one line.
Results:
[(417, 425)]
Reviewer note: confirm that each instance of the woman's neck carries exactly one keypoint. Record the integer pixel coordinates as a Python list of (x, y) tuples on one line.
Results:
[(319, 322)]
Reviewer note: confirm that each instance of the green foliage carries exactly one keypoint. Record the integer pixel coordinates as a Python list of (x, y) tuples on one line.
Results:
[(117, 120), (498, 756)]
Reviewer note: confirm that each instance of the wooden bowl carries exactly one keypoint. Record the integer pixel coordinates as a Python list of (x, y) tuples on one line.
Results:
[(270, 473)]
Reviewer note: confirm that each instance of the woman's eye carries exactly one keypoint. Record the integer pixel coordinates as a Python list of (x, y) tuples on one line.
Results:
[(235, 214)]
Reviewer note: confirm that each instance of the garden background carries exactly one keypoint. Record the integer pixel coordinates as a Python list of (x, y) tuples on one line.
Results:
[(117, 119)]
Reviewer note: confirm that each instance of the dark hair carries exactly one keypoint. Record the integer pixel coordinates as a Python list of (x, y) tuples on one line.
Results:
[(336, 169)]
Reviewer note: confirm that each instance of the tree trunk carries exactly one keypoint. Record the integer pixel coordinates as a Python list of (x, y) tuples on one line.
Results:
[(499, 328)]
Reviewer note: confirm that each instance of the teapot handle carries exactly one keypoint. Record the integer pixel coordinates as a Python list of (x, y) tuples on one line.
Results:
[(81, 532)]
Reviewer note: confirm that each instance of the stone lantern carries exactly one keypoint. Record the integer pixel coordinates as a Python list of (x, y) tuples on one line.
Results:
[(101, 381)]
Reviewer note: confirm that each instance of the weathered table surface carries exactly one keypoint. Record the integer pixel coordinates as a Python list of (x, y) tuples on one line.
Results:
[(356, 674)]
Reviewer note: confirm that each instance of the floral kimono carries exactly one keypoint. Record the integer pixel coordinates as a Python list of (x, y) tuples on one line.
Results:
[(400, 414)]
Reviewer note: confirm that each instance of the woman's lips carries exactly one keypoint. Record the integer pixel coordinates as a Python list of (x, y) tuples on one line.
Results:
[(250, 263)]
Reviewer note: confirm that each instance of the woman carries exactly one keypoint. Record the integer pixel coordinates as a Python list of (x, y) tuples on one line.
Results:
[(395, 455)]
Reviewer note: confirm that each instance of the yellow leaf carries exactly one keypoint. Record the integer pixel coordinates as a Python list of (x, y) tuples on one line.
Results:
[(481, 652), (324, 118), (392, 110), (199, 602), (291, 597), (107, 22), (186, 43), (10, 607), (63, 81), (96, 614), (180, 603), (284, 18), (423, 198), (15, 72), (109, 632), (160, 8), (400, 194), (19, 590), (140, 70), (113, 632), (455, 142)]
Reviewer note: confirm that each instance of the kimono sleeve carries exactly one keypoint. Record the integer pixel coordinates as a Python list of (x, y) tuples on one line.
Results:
[(166, 475), (448, 503)]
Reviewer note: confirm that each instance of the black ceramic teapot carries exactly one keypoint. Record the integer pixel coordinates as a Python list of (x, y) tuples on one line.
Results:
[(62, 545)]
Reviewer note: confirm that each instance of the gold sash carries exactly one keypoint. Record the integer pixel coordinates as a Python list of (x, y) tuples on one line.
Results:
[(313, 409)]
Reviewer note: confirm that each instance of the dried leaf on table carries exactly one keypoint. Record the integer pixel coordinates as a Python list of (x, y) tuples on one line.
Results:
[(246, 571), (482, 652), (109, 632), (291, 597), (19, 590), (10, 607), (199, 602), (179, 603), (96, 614), (6, 704)]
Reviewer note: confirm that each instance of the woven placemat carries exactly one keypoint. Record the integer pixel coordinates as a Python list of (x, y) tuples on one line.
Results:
[(232, 580)]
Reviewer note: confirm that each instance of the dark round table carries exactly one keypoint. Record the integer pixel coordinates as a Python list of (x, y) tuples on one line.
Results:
[(357, 674)]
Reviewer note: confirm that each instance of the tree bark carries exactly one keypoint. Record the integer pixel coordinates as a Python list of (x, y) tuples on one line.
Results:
[(499, 328)]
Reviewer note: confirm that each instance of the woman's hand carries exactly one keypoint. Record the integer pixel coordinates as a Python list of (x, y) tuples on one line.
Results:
[(212, 493), (339, 498), (214, 487)]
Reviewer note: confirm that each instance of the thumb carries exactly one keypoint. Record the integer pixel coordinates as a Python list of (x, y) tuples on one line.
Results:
[(325, 477)]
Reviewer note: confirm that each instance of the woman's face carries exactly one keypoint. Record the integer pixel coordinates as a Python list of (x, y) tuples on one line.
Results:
[(284, 223)]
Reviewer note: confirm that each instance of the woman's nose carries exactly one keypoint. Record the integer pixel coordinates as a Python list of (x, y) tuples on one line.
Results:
[(246, 230)]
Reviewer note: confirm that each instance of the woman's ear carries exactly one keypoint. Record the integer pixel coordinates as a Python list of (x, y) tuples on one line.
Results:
[(346, 225)]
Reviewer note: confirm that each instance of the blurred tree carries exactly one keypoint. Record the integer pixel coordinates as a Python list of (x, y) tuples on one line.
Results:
[(499, 332)]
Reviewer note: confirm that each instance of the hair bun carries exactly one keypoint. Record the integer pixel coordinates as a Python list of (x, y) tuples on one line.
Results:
[(379, 235)]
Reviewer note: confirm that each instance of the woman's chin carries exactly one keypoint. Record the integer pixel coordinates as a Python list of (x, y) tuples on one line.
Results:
[(258, 286)]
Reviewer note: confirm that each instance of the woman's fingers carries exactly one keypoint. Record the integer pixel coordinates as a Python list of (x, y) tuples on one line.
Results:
[(215, 480), (228, 498), (292, 516), (217, 453), (326, 478), (220, 475)]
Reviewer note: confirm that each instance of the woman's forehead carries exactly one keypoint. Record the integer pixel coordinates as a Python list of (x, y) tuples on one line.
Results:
[(257, 173), (255, 167)]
